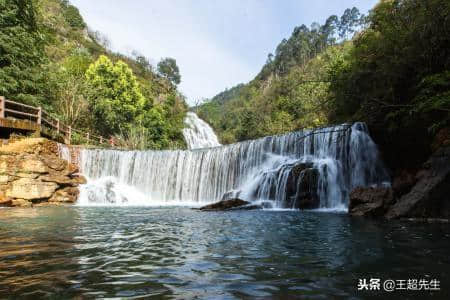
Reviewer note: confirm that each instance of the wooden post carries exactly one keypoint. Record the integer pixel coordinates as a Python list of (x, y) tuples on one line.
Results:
[(70, 135), (57, 125), (2, 107), (101, 140), (87, 137), (39, 115)]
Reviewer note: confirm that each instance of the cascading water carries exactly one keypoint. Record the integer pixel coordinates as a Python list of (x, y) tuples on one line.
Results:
[(290, 170), (198, 134)]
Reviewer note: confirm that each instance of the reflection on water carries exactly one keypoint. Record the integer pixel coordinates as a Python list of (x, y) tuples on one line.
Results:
[(180, 253)]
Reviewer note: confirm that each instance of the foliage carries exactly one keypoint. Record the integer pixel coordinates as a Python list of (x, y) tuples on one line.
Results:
[(393, 75), (21, 51), (45, 53), (116, 99), (396, 77), (72, 15), (168, 68), (292, 90)]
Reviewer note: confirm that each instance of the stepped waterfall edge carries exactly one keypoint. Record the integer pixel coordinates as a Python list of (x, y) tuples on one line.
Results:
[(283, 170), (198, 134)]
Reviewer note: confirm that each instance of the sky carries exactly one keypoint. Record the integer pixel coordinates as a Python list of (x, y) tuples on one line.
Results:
[(217, 43)]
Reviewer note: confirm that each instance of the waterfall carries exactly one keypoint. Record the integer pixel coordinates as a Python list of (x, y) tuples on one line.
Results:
[(198, 134), (304, 169)]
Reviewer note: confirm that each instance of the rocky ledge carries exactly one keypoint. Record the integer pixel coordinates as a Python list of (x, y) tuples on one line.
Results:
[(230, 204), (32, 174), (420, 195)]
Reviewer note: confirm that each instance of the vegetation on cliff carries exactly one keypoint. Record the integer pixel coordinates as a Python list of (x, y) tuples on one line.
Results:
[(49, 58), (393, 74)]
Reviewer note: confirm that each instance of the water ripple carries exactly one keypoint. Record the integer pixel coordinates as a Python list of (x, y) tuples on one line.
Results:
[(183, 254)]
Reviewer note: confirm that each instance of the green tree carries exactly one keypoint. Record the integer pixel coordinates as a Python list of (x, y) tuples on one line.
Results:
[(115, 97), (395, 78), (21, 51), (168, 68), (72, 15)]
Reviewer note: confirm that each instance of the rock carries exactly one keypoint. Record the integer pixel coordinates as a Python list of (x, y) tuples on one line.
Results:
[(66, 195), (29, 189), (442, 139), (21, 203), (33, 166), (430, 197), (5, 201), (27, 175), (370, 202), (403, 183), (59, 179), (53, 162), (225, 205), (3, 167), (63, 180), (71, 169), (301, 187), (5, 179), (78, 180), (31, 171)]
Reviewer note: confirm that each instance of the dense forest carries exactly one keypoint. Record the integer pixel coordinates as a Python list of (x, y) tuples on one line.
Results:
[(50, 58), (390, 69)]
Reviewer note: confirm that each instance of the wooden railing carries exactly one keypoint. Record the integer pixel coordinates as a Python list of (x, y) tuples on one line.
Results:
[(16, 110)]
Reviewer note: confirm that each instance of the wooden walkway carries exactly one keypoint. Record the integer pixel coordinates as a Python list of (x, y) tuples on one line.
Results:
[(16, 116)]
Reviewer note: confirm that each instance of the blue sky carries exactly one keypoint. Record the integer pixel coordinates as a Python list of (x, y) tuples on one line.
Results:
[(217, 43)]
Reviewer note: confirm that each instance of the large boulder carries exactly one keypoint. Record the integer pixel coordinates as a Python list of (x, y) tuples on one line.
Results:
[(64, 180), (301, 187), (29, 189), (65, 195), (33, 166), (430, 197), (225, 205), (21, 203), (53, 162), (5, 201), (32, 173), (403, 182), (370, 201)]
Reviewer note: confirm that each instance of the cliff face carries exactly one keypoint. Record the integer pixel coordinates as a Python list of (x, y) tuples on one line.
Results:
[(32, 174), (420, 194)]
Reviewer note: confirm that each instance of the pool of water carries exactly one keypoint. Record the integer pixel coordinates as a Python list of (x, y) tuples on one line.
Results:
[(175, 252)]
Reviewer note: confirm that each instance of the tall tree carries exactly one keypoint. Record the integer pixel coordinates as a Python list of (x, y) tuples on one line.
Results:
[(21, 51), (168, 68), (115, 98)]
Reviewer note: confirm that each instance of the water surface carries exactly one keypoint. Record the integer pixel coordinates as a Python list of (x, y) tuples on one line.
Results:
[(180, 253)]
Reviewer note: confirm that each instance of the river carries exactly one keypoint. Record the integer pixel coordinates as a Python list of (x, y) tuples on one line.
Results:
[(176, 252)]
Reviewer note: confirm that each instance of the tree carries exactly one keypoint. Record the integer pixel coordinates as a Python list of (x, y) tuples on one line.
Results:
[(349, 22), (115, 97), (72, 15), (168, 68), (21, 51), (395, 78)]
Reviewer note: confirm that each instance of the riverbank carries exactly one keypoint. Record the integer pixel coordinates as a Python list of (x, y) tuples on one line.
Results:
[(32, 174), (420, 192)]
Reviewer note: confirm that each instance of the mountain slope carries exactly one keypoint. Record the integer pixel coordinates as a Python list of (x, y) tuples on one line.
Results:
[(46, 49)]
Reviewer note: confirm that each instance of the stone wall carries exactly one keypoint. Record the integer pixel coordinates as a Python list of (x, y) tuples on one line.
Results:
[(32, 174)]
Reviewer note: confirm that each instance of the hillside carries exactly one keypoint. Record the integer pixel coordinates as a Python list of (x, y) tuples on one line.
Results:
[(49, 57), (292, 89), (390, 69)]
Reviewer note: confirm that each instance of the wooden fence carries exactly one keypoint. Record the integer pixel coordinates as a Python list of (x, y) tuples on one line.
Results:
[(18, 111)]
